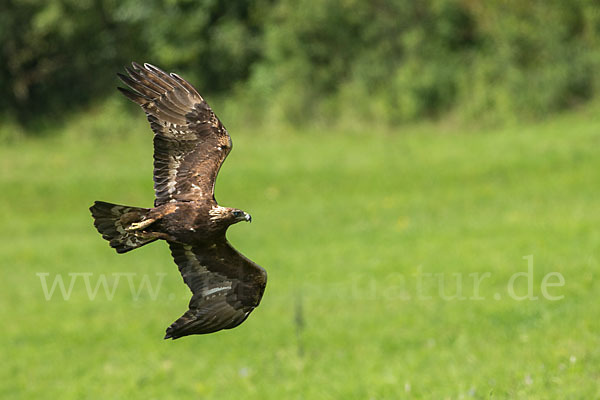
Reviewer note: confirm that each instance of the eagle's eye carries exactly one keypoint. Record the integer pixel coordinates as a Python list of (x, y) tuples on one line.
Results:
[(238, 214)]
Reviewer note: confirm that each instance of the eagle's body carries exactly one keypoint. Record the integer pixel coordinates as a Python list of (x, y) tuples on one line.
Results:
[(190, 144), (188, 222)]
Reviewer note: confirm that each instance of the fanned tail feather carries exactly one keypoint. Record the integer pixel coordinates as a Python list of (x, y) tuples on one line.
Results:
[(111, 220)]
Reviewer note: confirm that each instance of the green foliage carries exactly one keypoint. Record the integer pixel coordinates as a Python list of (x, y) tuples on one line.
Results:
[(398, 60), (343, 223), (367, 53), (306, 61), (61, 53), (538, 57)]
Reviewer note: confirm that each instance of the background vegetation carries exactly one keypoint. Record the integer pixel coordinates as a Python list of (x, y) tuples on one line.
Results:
[(311, 60), (376, 142)]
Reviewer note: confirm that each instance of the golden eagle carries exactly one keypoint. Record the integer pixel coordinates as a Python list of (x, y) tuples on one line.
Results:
[(190, 144)]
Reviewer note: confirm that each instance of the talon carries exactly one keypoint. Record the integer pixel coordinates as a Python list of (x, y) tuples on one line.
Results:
[(139, 225)]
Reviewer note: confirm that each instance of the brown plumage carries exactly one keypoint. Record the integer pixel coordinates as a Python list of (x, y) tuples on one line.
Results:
[(190, 144)]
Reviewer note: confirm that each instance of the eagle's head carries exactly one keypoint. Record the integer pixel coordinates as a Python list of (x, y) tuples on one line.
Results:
[(228, 216), (239, 215)]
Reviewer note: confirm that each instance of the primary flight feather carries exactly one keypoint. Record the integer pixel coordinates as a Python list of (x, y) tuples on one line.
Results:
[(190, 145)]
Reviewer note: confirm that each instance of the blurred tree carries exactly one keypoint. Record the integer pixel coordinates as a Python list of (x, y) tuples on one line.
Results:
[(214, 42), (311, 60), (61, 53), (539, 57), (400, 60)]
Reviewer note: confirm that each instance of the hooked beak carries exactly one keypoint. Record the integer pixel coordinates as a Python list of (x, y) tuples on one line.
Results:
[(248, 217)]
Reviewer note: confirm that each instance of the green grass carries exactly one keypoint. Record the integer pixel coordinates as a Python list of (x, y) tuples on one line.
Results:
[(343, 222)]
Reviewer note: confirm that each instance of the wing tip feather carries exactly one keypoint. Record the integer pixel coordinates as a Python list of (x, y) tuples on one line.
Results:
[(136, 66), (133, 96)]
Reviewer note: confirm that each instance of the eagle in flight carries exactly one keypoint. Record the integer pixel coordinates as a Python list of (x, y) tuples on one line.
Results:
[(190, 144)]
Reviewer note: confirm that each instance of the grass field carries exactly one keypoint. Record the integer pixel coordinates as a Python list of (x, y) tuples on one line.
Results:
[(391, 260)]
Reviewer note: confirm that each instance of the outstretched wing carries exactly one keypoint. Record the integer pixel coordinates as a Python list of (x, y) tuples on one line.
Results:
[(190, 143), (226, 287)]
